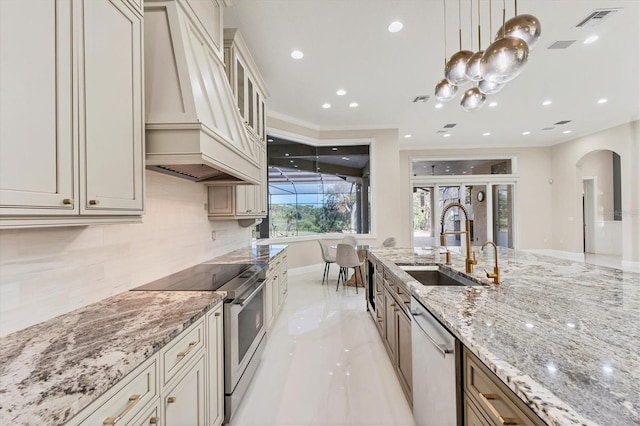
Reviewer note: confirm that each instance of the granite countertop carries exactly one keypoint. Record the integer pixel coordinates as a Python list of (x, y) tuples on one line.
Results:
[(51, 371), (564, 336)]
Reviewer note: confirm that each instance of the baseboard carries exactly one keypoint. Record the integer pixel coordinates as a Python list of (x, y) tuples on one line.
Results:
[(630, 265)]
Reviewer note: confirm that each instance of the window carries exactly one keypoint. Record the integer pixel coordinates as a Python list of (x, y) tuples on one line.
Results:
[(316, 190)]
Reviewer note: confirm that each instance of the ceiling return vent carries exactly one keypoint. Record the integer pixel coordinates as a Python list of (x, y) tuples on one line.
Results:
[(421, 98), (561, 44), (560, 123), (450, 125), (596, 17)]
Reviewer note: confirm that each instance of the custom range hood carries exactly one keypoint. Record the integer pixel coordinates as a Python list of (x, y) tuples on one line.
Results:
[(193, 127)]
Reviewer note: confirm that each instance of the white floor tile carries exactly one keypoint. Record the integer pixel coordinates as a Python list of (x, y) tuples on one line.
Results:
[(324, 363)]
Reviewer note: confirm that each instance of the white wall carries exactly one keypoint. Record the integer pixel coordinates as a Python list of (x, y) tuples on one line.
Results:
[(567, 187), (47, 272), (534, 191)]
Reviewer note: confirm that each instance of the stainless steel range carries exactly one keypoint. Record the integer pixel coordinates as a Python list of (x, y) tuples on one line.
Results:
[(244, 328)]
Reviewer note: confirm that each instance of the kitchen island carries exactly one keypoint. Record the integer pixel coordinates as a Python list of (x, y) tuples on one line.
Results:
[(51, 371), (563, 336)]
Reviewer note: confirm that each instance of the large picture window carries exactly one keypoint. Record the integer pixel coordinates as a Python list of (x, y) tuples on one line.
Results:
[(316, 190)]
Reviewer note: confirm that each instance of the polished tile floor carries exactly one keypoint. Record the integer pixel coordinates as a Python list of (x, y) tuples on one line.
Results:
[(324, 363)]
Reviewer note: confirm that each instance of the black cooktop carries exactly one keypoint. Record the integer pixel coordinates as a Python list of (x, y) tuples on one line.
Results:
[(229, 277)]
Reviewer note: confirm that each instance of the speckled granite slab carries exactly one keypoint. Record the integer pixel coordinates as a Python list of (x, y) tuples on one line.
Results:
[(51, 371), (253, 254), (563, 335)]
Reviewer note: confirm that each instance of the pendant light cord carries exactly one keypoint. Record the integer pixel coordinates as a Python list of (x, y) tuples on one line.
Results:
[(460, 23), (504, 16), (444, 8), (479, 31), (515, 5)]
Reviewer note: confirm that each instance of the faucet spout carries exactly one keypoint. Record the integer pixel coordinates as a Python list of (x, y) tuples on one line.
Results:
[(496, 270), (469, 260)]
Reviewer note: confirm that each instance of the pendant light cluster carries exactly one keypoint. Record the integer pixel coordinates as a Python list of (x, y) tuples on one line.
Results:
[(491, 69)]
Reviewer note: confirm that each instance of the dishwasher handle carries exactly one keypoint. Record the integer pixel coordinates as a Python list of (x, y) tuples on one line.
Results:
[(442, 348)]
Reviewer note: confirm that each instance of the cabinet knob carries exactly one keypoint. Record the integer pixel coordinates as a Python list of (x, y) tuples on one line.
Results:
[(171, 400), (94, 202), (154, 420), (217, 314), (68, 201)]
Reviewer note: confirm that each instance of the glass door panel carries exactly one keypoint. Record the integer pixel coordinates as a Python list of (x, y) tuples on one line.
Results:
[(423, 220), (503, 215)]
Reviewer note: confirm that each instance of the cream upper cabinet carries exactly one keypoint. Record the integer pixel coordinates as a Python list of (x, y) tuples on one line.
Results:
[(38, 160), (71, 113), (111, 110)]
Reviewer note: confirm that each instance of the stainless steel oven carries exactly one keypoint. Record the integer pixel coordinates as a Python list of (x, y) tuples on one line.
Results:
[(244, 338)]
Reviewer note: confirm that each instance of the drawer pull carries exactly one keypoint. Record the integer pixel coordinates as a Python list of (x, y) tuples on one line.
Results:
[(94, 202), (486, 399), (68, 201), (183, 354), (154, 420), (171, 400), (133, 400), (217, 314)]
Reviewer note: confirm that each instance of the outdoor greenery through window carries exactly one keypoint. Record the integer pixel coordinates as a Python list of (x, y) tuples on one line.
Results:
[(316, 190)]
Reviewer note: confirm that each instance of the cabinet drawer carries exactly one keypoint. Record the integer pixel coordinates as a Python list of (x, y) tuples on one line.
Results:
[(148, 416), (495, 401), (126, 399), (472, 416), (178, 352)]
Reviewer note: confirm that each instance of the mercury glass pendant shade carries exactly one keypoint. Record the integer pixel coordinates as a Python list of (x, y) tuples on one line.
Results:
[(489, 88), (456, 67), (525, 27), (445, 91), (472, 99), (504, 59), (473, 67)]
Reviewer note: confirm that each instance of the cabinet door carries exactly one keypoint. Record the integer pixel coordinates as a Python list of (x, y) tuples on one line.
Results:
[(275, 295), (215, 368), (150, 416), (37, 156), (184, 403), (390, 325), (110, 107), (268, 303), (403, 351)]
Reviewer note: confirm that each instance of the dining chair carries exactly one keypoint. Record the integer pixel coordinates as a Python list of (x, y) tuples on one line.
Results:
[(350, 240), (389, 242), (347, 257), (328, 260)]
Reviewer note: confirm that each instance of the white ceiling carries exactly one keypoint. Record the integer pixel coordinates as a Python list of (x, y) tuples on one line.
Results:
[(347, 46)]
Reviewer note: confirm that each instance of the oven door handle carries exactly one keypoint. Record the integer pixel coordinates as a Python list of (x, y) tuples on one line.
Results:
[(247, 299)]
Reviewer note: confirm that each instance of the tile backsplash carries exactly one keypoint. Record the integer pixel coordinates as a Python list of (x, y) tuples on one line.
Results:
[(46, 272)]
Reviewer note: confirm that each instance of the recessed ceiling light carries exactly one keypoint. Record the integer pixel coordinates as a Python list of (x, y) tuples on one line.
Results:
[(353, 104), (590, 39), (326, 106), (547, 103), (286, 154), (526, 133), (269, 140), (407, 136), (291, 161), (486, 134), (439, 106), (493, 104), (345, 158), (446, 135), (566, 131), (296, 54), (334, 149), (341, 92), (394, 27), (464, 173), (603, 101)]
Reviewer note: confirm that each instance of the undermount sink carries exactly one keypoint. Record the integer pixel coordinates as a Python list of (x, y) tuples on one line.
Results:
[(434, 276)]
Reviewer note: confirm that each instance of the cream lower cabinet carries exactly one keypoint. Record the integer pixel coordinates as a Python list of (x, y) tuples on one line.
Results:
[(180, 385), (277, 287), (183, 402), (71, 133)]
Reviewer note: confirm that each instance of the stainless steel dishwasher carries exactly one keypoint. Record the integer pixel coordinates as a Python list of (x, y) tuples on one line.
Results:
[(434, 370)]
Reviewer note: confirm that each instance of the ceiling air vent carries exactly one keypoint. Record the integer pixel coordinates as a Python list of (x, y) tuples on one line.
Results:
[(441, 131), (561, 44), (563, 122), (596, 17), (548, 128), (450, 126), (421, 98)]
